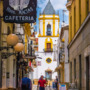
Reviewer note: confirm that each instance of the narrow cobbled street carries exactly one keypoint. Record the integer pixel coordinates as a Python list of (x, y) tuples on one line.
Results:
[(45, 43)]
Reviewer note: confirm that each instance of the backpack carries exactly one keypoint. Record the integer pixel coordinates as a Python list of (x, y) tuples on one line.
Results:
[(26, 83)]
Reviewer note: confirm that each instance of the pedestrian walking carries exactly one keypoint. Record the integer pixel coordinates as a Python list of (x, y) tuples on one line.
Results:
[(41, 83), (26, 83), (56, 83)]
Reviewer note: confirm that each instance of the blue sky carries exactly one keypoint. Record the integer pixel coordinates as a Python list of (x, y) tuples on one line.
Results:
[(58, 5)]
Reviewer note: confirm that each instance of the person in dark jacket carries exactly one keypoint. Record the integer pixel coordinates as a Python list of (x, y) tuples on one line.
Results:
[(26, 83), (56, 82)]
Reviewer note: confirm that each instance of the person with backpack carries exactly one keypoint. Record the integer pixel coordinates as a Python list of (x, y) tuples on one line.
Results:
[(26, 83)]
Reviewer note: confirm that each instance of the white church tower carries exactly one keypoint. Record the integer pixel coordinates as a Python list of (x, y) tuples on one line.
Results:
[(47, 39)]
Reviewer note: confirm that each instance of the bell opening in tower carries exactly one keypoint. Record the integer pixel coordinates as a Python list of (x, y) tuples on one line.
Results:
[(48, 30)]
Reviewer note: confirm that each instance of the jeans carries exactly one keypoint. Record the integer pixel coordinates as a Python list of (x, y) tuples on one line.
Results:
[(25, 87), (41, 88)]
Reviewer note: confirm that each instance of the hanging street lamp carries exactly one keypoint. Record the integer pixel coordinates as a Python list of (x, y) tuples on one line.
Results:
[(19, 47), (12, 39)]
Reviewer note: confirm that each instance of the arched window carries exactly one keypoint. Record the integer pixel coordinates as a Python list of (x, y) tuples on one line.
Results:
[(48, 60), (49, 30)]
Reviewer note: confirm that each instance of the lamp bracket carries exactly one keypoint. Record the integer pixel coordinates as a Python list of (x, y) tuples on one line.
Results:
[(5, 55), (2, 48)]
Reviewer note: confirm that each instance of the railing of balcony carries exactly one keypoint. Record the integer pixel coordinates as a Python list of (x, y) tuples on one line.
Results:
[(48, 33), (48, 50)]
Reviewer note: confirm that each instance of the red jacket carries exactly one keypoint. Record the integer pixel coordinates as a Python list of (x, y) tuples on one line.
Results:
[(42, 83)]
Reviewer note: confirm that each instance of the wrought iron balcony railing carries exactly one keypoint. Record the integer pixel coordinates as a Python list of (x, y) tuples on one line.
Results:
[(48, 50), (68, 5), (48, 33)]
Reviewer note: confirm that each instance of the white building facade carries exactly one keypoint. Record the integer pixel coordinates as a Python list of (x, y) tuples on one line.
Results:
[(62, 56), (47, 39)]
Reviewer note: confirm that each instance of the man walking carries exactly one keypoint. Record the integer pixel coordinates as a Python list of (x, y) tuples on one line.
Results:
[(56, 82), (42, 83), (26, 83)]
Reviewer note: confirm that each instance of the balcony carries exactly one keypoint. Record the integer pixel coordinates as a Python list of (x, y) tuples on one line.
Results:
[(48, 33), (68, 5), (48, 50), (68, 0)]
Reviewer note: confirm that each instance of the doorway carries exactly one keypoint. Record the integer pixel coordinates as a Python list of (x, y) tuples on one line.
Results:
[(87, 72)]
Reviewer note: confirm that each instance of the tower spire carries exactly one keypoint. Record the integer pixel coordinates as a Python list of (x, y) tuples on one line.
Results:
[(49, 10)]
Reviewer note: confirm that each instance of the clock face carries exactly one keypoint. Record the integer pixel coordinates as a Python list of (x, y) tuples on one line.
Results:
[(19, 4)]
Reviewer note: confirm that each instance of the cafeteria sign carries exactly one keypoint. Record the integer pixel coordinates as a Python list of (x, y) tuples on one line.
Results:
[(19, 11)]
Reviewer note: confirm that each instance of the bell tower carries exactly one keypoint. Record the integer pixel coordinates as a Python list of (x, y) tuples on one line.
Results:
[(47, 39), (49, 22)]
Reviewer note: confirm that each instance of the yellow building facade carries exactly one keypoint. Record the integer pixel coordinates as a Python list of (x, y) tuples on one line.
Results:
[(78, 11), (79, 43)]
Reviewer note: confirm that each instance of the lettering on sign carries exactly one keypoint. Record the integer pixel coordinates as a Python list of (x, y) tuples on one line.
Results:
[(20, 11)]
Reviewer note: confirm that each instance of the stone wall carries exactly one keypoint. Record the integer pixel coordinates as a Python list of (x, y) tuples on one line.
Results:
[(79, 47)]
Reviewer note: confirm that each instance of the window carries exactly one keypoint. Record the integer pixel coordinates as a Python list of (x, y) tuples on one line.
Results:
[(70, 27), (74, 20), (80, 72), (74, 69), (0, 29), (87, 72), (8, 32), (48, 60), (48, 45), (87, 6), (80, 11), (71, 72), (13, 28), (48, 30)]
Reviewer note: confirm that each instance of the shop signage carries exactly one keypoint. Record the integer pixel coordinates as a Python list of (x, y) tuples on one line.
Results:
[(19, 11)]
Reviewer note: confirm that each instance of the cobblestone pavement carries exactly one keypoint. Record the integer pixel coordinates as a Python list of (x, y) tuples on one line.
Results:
[(47, 88)]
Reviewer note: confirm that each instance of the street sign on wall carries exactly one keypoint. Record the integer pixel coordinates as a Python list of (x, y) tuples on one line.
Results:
[(38, 63), (19, 11)]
